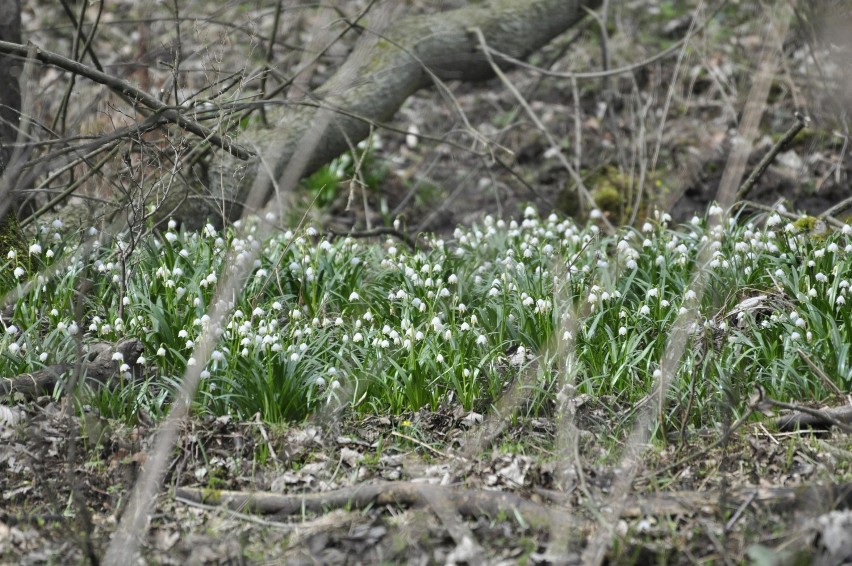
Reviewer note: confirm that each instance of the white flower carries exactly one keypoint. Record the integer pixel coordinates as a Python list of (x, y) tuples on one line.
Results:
[(481, 340), (645, 310), (622, 331), (35, 249), (795, 336), (161, 351), (354, 296), (18, 272), (190, 362), (715, 210), (118, 357), (439, 358), (821, 277)]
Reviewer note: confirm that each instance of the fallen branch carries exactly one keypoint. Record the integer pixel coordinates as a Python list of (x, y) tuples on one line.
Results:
[(468, 502), (771, 154), (816, 419), (476, 503), (804, 416), (98, 371)]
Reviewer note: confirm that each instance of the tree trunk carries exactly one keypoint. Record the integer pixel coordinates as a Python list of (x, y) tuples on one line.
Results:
[(10, 106), (378, 77)]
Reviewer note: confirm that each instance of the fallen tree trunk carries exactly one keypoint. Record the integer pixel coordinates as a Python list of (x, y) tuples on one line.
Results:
[(377, 78)]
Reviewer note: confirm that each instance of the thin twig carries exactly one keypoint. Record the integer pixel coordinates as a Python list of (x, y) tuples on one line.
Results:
[(817, 370), (380, 231), (761, 167), (166, 113)]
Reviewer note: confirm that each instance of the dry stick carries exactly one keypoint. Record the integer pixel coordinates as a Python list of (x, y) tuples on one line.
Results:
[(380, 231), (838, 208), (817, 370), (787, 422), (87, 47), (599, 542), (166, 113), (423, 444), (476, 503), (469, 502), (270, 48), (761, 167)]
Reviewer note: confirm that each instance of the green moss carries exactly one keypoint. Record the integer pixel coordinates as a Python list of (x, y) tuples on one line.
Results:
[(607, 186), (609, 199), (805, 224), (814, 227)]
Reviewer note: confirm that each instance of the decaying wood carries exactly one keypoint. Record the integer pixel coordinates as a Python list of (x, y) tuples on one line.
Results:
[(476, 503), (98, 370), (468, 502), (823, 419)]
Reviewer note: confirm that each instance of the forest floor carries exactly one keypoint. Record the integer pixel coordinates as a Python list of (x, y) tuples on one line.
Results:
[(442, 481)]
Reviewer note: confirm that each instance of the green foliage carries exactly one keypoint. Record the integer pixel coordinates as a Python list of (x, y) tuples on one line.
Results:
[(323, 324), (325, 184)]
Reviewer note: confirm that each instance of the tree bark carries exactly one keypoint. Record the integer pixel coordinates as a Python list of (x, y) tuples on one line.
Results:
[(10, 107), (374, 82)]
